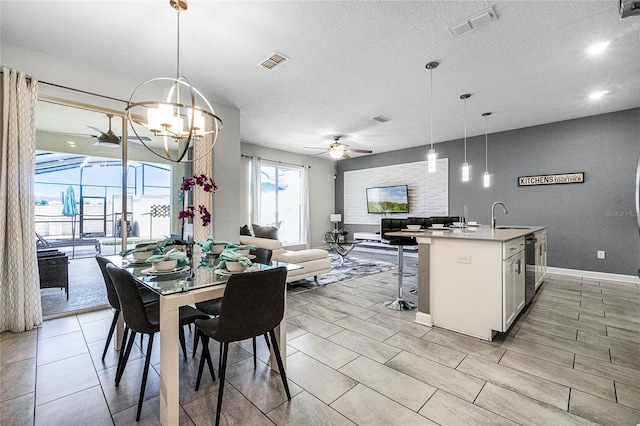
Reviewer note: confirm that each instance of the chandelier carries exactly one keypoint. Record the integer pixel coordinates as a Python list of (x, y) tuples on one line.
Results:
[(182, 119)]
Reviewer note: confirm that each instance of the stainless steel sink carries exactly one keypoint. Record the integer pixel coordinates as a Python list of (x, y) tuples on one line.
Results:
[(512, 227)]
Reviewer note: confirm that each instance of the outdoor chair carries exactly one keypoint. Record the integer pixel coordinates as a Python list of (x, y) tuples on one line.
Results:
[(142, 319), (253, 305)]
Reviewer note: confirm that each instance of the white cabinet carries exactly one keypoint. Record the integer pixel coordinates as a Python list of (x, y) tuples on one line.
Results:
[(513, 272), (475, 281), (540, 256)]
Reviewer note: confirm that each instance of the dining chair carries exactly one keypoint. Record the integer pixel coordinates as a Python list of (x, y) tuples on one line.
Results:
[(148, 296), (144, 319), (253, 305), (212, 307)]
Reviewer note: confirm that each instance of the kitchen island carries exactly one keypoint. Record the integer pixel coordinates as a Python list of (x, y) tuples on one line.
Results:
[(471, 281)]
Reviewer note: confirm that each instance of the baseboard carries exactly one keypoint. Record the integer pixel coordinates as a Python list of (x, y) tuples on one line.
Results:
[(604, 276), (424, 319), (76, 312)]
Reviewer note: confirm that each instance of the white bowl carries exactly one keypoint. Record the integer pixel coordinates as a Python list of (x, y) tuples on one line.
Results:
[(242, 252), (165, 265), (234, 266), (437, 225), (217, 248), (142, 255), (413, 227), (457, 224)]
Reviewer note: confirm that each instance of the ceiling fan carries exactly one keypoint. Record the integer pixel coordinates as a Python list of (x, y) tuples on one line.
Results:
[(338, 150), (110, 139)]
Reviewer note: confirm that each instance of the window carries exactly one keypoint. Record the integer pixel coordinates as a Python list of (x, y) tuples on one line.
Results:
[(281, 200)]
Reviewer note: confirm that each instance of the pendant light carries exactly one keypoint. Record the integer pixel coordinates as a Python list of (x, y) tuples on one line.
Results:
[(432, 156), (183, 118), (486, 177), (466, 169)]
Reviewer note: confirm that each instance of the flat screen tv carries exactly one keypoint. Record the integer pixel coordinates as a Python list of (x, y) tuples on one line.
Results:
[(388, 199)]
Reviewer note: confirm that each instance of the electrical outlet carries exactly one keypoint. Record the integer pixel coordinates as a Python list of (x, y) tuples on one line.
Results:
[(464, 259), (600, 254)]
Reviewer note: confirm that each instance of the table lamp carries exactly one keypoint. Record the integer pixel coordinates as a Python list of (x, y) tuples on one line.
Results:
[(335, 218)]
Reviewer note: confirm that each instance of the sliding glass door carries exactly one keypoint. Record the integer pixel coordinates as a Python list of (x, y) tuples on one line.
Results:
[(79, 208), (282, 200)]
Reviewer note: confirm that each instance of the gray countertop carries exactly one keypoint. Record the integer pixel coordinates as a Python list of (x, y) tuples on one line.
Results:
[(482, 232)]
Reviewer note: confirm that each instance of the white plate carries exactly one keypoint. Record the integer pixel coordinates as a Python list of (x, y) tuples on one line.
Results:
[(151, 271), (249, 256), (412, 230), (224, 271), (133, 262), (439, 229)]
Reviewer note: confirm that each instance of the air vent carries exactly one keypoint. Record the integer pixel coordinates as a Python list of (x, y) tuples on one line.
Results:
[(382, 119), (474, 22), (273, 61)]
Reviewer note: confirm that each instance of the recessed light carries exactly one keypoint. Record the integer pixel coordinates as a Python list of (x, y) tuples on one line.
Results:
[(597, 95), (597, 48)]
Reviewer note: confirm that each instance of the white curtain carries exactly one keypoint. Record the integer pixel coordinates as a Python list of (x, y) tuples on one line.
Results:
[(306, 235), (256, 189), (20, 307)]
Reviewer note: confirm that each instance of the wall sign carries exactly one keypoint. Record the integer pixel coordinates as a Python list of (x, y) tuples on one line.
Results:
[(551, 179)]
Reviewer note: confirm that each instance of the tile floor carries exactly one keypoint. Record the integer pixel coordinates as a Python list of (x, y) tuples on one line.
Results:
[(572, 358)]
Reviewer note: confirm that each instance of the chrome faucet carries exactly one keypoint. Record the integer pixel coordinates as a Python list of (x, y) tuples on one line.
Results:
[(493, 212)]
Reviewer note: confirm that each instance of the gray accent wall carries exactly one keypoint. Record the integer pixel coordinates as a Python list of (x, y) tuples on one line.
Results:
[(598, 214)]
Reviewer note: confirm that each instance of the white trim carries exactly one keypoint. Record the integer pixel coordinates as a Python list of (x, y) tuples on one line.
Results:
[(594, 275), (424, 319)]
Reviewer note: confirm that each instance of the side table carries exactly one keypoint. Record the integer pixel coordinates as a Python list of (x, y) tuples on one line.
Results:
[(342, 248)]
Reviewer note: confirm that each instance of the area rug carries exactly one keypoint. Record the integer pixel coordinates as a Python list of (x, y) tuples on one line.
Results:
[(353, 267)]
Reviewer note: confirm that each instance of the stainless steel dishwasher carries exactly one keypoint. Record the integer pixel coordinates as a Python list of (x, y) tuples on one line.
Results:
[(530, 270)]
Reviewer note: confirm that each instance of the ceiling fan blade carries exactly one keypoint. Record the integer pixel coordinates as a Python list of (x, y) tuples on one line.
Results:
[(134, 139), (345, 155), (313, 147), (74, 134), (363, 151), (135, 144), (107, 144), (102, 132)]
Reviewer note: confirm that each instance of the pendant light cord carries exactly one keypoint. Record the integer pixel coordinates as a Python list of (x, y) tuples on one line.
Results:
[(431, 94), (178, 48), (465, 130), (486, 138)]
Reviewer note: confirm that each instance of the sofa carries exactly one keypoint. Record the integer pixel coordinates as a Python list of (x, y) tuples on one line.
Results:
[(313, 261)]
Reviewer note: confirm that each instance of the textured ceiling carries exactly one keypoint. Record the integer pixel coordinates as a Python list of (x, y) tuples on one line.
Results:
[(354, 60)]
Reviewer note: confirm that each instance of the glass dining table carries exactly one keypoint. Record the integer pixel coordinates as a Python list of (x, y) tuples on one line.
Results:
[(186, 286)]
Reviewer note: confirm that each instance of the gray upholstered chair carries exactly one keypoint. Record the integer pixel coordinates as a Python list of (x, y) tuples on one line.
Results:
[(141, 318), (212, 307), (148, 296), (253, 305)]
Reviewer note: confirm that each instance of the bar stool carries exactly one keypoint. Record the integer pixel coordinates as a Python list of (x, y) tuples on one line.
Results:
[(391, 225)]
